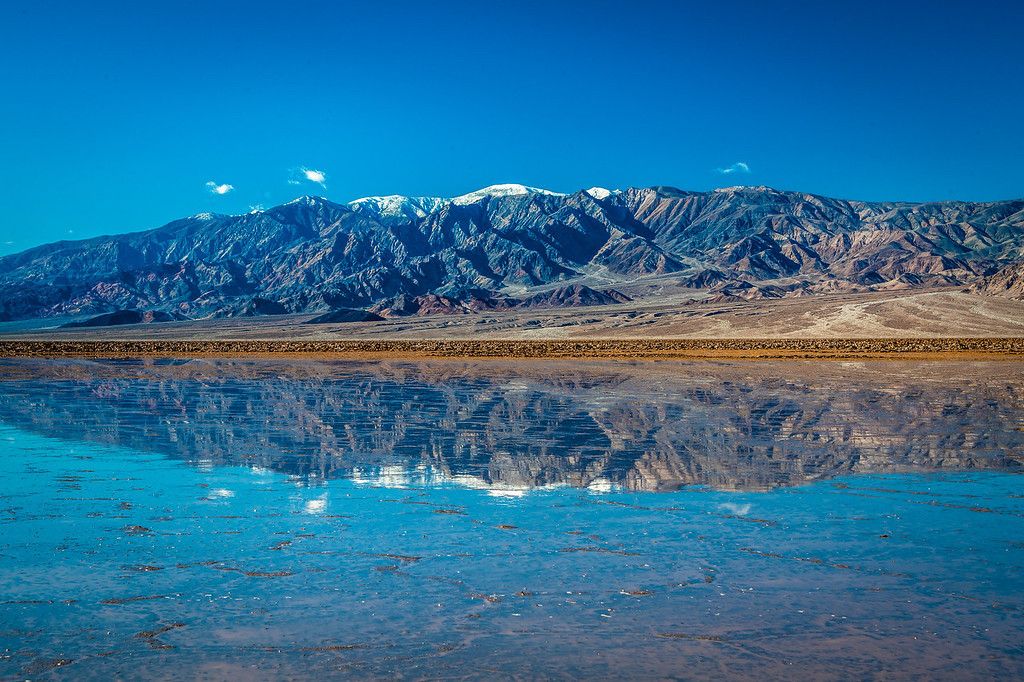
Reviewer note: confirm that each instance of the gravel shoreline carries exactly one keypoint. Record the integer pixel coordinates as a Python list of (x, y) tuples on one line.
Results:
[(581, 349)]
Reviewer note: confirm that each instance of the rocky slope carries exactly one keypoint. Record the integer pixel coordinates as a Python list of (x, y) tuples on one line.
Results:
[(1008, 282), (124, 317), (511, 245)]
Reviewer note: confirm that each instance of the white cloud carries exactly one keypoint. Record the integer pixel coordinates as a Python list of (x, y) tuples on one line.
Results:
[(738, 167), (219, 189), (313, 175), (304, 174)]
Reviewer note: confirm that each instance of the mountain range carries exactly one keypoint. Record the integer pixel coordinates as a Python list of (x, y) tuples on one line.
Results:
[(511, 246)]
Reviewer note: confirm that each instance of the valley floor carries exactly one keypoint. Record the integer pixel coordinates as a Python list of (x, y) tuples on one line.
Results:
[(899, 314), (830, 326)]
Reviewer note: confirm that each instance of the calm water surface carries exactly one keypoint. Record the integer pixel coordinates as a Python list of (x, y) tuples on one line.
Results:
[(267, 519)]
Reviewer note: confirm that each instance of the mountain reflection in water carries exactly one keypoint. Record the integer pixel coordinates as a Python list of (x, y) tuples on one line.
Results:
[(513, 426)]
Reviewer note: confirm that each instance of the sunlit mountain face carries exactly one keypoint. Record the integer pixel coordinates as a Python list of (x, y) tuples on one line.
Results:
[(509, 246), (511, 428)]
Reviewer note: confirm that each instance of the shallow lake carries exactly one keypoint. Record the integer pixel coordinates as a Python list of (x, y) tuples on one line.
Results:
[(253, 519)]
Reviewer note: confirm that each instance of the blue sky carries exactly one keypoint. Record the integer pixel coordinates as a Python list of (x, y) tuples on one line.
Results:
[(116, 116)]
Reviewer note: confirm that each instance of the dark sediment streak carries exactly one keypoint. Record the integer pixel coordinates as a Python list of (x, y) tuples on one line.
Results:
[(595, 348)]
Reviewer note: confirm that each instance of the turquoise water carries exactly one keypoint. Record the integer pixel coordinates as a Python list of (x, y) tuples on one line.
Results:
[(228, 519)]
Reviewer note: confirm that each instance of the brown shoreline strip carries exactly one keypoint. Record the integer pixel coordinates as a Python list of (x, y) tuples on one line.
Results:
[(922, 348)]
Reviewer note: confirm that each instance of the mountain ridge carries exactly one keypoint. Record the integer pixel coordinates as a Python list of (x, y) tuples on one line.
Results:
[(506, 244)]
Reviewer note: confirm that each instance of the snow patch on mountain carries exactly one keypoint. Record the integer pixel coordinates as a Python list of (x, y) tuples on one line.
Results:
[(747, 188), (397, 206), (508, 190), (601, 192), (400, 206)]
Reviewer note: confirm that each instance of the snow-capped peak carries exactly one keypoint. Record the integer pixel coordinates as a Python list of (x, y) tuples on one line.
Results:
[(396, 205), (400, 206), (601, 192), (748, 188), (508, 190), (389, 200), (307, 199)]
